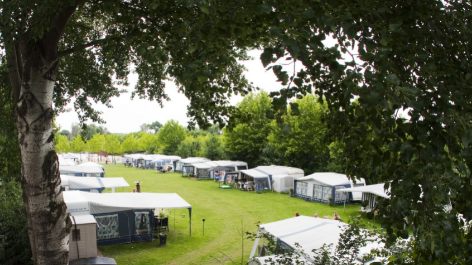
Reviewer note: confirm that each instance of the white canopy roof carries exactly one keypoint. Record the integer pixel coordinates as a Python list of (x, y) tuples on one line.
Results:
[(254, 173), (70, 156), (66, 162), (310, 232), (377, 189), (330, 178), (280, 170), (265, 171), (80, 169), (223, 163), (202, 165), (91, 164), (92, 182), (112, 202)]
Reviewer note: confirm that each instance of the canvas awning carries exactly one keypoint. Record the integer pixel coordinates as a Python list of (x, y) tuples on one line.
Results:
[(329, 178), (92, 182), (91, 164), (81, 169), (309, 232), (70, 156), (97, 203), (376, 189), (254, 173)]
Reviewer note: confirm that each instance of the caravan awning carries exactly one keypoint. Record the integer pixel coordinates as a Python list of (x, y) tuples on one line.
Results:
[(80, 169), (254, 173), (309, 232), (376, 189), (70, 156), (114, 182), (79, 202), (92, 182), (105, 202), (329, 178)]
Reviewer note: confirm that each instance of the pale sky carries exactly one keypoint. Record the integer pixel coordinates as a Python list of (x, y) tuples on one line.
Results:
[(128, 115)]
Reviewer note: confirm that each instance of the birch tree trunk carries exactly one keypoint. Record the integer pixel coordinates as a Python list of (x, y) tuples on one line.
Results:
[(32, 66), (48, 221)]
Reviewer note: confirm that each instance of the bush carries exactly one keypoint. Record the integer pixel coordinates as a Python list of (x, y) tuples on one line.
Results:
[(14, 241)]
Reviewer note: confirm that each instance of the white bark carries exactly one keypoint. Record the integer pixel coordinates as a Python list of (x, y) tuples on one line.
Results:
[(48, 221)]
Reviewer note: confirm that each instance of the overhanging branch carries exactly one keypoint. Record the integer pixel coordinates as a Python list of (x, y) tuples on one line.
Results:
[(86, 45), (13, 70)]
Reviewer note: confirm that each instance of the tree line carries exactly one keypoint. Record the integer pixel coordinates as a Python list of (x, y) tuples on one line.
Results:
[(256, 139)]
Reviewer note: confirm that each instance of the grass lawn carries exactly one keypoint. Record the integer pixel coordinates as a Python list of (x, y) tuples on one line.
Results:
[(229, 213)]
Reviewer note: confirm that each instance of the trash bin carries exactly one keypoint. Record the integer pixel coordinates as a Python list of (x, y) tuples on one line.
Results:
[(162, 239)]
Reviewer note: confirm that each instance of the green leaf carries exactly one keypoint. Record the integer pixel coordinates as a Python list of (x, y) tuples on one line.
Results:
[(141, 50), (202, 79), (294, 50), (395, 25), (308, 13), (191, 49), (205, 10), (266, 8), (466, 139)]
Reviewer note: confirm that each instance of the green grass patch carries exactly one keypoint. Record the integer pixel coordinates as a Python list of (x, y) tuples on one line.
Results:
[(229, 213)]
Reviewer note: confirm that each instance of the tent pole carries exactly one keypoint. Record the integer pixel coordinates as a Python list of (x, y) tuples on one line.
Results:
[(190, 220)]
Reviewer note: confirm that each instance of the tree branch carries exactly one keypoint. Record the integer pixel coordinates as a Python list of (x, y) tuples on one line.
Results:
[(13, 70), (58, 26), (86, 45)]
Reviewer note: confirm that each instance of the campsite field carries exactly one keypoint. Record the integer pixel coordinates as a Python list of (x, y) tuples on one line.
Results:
[(229, 213)]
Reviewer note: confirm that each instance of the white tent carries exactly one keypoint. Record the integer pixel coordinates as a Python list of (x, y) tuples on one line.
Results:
[(202, 169), (91, 164), (123, 209), (370, 193), (123, 217), (178, 164), (92, 184), (281, 176), (320, 186), (82, 171), (66, 162), (71, 156), (111, 202), (162, 161), (308, 232)]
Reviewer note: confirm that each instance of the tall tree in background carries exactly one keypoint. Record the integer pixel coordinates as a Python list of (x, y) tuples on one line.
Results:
[(151, 128), (190, 147), (90, 130), (77, 145), (129, 144), (213, 148), (112, 144), (301, 141), (246, 140), (170, 136), (74, 130), (96, 143), (148, 142), (62, 144)]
